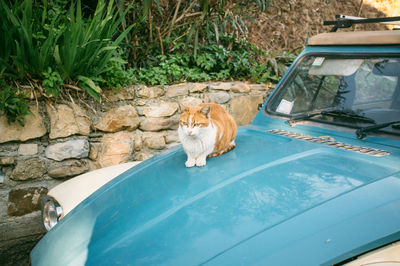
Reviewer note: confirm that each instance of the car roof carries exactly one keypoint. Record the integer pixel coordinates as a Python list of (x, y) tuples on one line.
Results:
[(387, 37)]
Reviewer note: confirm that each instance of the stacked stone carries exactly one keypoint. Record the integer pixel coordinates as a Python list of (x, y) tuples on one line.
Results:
[(62, 140)]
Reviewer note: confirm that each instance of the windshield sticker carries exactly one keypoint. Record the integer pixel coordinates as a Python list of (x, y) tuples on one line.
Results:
[(285, 107), (336, 67), (318, 61)]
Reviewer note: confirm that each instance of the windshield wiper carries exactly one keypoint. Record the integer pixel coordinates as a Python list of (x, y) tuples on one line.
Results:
[(362, 132), (340, 113)]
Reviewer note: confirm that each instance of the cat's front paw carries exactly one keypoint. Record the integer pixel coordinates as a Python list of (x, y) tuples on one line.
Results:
[(190, 163), (201, 161)]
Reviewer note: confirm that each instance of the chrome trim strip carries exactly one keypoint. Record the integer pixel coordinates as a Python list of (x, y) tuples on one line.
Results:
[(329, 141)]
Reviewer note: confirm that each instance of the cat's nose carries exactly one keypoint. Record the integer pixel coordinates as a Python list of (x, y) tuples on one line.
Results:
[(190, 132)]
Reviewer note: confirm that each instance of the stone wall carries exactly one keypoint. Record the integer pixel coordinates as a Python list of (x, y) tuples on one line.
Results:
[(67, 138)]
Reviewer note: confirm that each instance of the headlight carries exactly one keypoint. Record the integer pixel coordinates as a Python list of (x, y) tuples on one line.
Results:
[(51, 212)]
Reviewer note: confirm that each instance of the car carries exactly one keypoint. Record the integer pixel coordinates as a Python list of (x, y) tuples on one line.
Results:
[(313, 180)]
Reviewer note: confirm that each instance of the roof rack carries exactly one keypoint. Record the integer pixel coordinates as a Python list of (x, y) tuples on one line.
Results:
[(344, 21)]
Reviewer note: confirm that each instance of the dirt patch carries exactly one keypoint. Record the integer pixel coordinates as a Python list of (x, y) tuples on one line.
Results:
[(286, 25)]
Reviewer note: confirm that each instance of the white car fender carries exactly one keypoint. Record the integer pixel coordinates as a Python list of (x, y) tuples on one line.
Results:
[(73, 191)]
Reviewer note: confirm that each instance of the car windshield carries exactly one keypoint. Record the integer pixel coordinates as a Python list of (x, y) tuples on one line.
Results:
[(353, 92)]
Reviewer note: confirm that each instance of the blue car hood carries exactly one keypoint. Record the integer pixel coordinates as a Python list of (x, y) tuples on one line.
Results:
[(161, 212)]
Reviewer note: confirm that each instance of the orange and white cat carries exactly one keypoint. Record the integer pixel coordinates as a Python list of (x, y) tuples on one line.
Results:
[(205, 130)]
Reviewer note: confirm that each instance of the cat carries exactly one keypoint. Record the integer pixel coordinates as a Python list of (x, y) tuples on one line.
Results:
[(205, 130)]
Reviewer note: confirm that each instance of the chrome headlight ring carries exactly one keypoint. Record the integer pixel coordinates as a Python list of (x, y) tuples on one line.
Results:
[(51, 212)]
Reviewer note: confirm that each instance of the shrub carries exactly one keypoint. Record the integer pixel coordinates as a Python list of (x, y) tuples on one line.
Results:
[(59, 46), (13, 104), (86, 48), (212, 62), (30, 51)]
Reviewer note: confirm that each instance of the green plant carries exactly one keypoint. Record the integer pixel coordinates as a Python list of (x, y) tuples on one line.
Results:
[(13, 104), (262, 73), (160, 25), (33, 40), (52, 82), (115, 76), (6, 42), (87, 47), (58, 44), (213, 62)]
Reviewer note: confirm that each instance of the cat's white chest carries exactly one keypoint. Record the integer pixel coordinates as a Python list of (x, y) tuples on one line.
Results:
[(200, 145)]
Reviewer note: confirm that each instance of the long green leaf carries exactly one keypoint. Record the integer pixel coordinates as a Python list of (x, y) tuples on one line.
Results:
[(196, 42), (90, 87)]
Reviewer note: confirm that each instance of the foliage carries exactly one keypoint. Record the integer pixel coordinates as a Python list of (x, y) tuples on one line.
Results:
[(52, 82), (121, 42), (162, 24), (30, 53), (262, 74), (213, 62), (116, 76), (193, 41), (6, 42), (59, 45), (13, 104), (86, 46)]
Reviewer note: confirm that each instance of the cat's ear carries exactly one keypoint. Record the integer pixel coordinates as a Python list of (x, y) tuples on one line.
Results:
[(205, 110), (181, 108)]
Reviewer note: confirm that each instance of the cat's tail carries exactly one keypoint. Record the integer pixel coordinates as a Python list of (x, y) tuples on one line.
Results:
[(230, 147)]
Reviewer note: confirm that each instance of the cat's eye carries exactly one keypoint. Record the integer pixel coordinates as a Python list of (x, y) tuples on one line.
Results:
[(196, 124), (183, 123)]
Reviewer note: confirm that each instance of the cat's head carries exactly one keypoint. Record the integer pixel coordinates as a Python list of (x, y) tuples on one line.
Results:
[(194, 118)]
